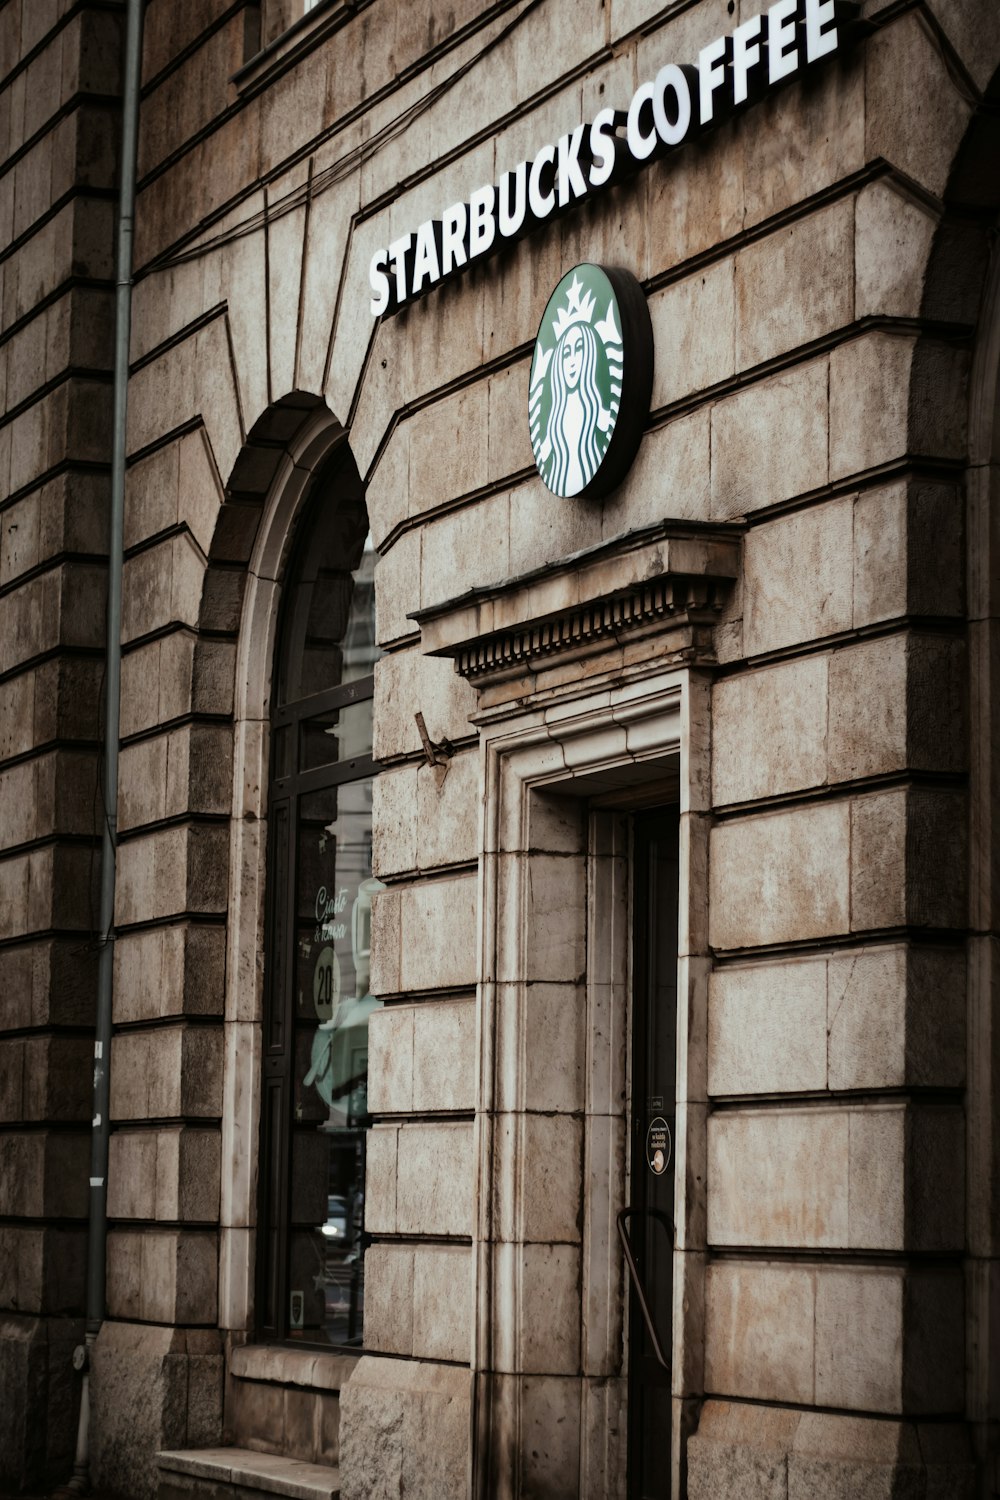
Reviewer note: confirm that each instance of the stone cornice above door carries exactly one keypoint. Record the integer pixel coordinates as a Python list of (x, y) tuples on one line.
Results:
[(645, 596)]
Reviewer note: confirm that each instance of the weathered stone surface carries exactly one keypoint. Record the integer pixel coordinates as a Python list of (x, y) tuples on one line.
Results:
[(406, 682), (424, 936), (767, 1028), (170, 1072), (892, 244), (741, 1451), (422, 1058), (903, 70), (414, 1302), (167, 1174), (61, 607), (46, 982), (769, 731), (152, 1388), (188, 770), (173, 871), (43, 1174), (45, 1078), (759, 1322), (798, 579), (746, 1450), (165, 971), (163, 1275), (769, 441), (43, 1269), (694, 333), (813, 263), (38, 1416), (405, 1426), (780, 876), (419, 1179)]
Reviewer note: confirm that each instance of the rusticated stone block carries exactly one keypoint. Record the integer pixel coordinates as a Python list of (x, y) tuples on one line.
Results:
[(43, 1270), (165, 1174), (798, 582), (62, 607), (903, 70), (741, 1452), (865, 1178), (875, 1338), (753, 1452), (173, 871), (405, 1425), (45, 1078), (769, 441), (175, 675), (170, 971), (813, 262), (780, 876), (419, 1179), (174, 1071), (407, 682), (187, 770), (51, 794), (422, 1058), (69, 513), (163, 1275), (427, 936), (769, 732), (49, 982), (43, 1174), (414, 1303), (152, 1388), (38, 1416), (908, 861), (162, 585)]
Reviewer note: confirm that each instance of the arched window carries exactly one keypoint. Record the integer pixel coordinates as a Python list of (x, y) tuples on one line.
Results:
[(314, 1106)]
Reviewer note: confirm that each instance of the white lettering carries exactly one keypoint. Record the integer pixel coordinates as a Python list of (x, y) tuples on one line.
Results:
[(541, 203), (602, 145), (711, 76), (641, 145), (821, 29), (398, 251), (482, 225), (453, 253), (782, 53), (379, 283), (746, 56), (426, 262), (570, 181), (510, 220), (673, 125)]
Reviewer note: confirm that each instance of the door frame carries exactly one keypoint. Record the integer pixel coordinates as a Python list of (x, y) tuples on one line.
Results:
[(554, 880)]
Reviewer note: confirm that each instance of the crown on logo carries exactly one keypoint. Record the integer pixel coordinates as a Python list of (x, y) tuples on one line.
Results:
[(575, 311)]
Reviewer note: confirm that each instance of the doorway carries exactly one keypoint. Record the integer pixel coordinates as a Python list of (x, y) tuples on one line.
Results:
[(646, 1224)]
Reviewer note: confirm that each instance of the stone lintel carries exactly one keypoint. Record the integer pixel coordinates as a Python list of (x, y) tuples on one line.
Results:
[(672, 576)]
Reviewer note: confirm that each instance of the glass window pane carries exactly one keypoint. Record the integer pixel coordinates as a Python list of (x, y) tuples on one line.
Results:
[(340, 734), (333, 1004)]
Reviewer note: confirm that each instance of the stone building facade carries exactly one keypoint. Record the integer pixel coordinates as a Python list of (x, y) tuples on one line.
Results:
[(675, 831)]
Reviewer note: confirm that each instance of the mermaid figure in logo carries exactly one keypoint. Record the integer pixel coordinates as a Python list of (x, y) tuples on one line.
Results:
[(578, 414)]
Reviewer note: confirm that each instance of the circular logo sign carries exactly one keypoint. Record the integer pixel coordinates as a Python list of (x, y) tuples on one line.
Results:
[(658, 1146), (591, 379)]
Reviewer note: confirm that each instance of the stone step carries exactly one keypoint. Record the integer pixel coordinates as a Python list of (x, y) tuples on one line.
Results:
[(240, 1474)]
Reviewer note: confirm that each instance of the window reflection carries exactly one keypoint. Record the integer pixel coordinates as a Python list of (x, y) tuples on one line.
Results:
[(318, 964)]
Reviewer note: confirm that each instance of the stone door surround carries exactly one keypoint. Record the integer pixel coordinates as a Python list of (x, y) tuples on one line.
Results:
[(577, 726)]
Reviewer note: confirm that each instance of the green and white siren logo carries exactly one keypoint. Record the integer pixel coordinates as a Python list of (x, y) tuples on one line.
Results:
[(591, 376)]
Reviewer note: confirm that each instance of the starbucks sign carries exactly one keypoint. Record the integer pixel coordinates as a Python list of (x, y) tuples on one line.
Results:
[(591, 379)]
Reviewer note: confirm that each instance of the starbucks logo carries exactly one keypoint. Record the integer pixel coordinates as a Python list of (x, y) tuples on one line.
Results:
[(591, 377)]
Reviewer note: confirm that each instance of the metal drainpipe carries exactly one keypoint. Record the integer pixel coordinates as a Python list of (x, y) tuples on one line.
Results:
[(97, 1228)]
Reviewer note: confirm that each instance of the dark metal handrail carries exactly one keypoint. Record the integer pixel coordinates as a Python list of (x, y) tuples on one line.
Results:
[(627, 1213)]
